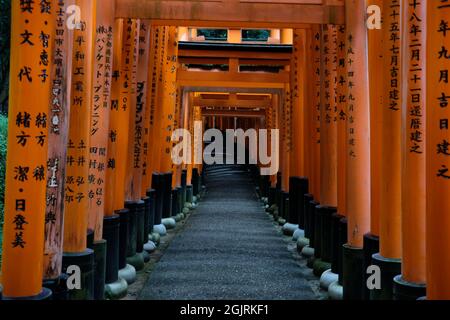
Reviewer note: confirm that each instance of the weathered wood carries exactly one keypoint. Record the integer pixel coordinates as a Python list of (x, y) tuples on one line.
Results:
[(59, 114)]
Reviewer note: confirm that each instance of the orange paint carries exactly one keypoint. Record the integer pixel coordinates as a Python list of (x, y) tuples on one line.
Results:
[(25, 195), (376, 106), (77, 169), (437, 159), (341, 104), (328, 120), (100, 112), (390, 162), (358, 135), (115, 124)]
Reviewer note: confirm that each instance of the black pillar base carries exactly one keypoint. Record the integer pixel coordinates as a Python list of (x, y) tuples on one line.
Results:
[(123, 237), (135, 231), (307, 198), (326, 213), (353, 273), (343, 240), (272, 195), (167, 195), (157, 185), (298, 187), (284, 205), (318, 238), (371, 246), (189, 193), (142, 236), (151, 193), (45, 294), (183, 188), (195, 182), (147, 217), (312, 223), (111, 227), (175, 194), (85, 261), (407, 291), (132, 228), (389, 269), (58, 288), (99, 269), (336, 249)]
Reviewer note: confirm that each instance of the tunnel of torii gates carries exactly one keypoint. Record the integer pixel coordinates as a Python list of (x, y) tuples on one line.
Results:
[(363, 118)]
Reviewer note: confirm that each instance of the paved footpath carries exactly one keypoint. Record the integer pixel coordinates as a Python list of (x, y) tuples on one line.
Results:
[(229, 249)]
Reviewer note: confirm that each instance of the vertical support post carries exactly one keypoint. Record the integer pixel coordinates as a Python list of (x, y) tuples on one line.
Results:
[(410, 285), (25, 200), (388, 259), (77, 170), (57, 153), (358, 148), (437, 153)]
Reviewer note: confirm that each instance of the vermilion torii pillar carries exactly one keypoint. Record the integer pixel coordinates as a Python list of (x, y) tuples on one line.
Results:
[(328, 152), (58, 122), (437, 151), (30, 93), (358, 148), (375, 55), (99, 129), (410, 285), (77, 167), (390, 253)]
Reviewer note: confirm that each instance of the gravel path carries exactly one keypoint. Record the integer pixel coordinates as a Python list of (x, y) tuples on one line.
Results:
[(229, 249)]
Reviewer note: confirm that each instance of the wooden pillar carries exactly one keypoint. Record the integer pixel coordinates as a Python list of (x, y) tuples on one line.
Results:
[(129, 100), (315, 120), (117, 117), (77, 170), (358, 148), (145, 82), (100, 111), (437, 154), (25, 197), (328, 120), (341, 115), (413, 173), (391, 145), (58, 122)]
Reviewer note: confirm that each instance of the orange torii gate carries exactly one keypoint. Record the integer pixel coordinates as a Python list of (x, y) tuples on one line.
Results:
[(380, 197)]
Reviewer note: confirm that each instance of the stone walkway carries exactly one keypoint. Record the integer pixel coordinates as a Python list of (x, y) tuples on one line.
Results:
[(229, 249)]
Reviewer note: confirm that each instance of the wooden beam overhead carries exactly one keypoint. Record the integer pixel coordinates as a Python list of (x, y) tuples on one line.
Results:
[(244, 13), (232, 103), (234, 113)]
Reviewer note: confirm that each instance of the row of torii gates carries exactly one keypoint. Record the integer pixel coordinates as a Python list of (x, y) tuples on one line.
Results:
[(364, 133)]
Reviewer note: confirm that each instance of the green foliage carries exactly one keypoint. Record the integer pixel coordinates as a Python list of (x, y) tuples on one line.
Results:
[(5, 30), (3, 145), (255, 35), (213, 34)]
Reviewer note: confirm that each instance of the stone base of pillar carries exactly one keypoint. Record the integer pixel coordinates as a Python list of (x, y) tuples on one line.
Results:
[(299, 233), (335, 291), (407, 291), (160, 229), (145, 256), (128, 274), (100, 248), (389, 269), (308, 252), (45, 294), (189, 193), (281, 221), (85, 261), (289, 229), (150, 246), (116, 290), (353, 273), (169, 223), (155, 238), (57, 286), (137, 261), (327, 278), (301, 243), (320, 266)]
